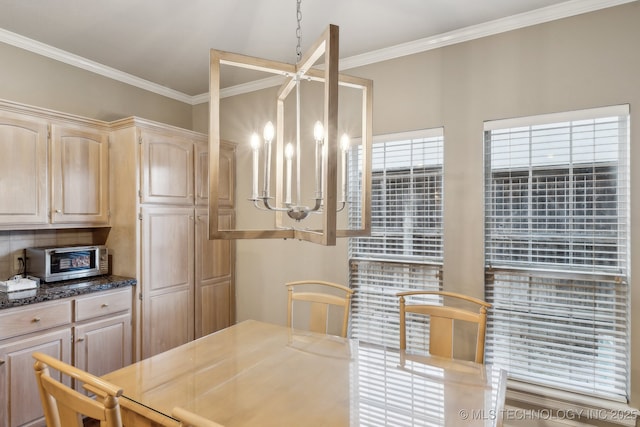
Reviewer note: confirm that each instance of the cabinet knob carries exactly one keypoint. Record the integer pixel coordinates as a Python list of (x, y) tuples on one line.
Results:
[(105, 305), (35, 320), (80, 339), (1, 362), (58, 210)]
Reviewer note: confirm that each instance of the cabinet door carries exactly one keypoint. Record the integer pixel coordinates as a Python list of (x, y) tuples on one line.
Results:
[(23, 170), (167, 168), (103, 345), (202, 174), (215, 293), (226, 179), (79, 175), (19, 396), (167, 278)]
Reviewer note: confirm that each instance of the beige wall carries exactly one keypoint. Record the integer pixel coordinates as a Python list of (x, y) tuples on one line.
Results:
[(580, 62), (36, 80)]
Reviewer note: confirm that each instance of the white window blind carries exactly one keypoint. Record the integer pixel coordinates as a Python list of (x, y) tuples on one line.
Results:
[(556, 250), (404, 250)]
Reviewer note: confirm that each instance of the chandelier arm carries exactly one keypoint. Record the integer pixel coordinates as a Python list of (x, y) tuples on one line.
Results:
[(317, 206), (267, 205), (256, 204), (340, 209)]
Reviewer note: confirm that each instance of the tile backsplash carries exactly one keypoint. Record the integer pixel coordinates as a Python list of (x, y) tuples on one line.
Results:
[(13, 242)]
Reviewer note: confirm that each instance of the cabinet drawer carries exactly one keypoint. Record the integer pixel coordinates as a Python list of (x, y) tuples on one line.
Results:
[(101, 304), (24, 320)]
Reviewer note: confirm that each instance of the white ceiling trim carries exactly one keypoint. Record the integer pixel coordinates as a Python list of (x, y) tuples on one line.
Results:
[(539, 16), (86, 64)]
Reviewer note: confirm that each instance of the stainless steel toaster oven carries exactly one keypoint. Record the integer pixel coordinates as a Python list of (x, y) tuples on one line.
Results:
[(52, 264)]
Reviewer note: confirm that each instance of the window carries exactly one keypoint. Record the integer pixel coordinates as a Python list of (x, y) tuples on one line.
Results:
[(556, 250), (404, 250)]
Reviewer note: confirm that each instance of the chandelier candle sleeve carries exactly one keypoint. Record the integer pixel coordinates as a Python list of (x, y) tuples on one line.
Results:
[(255, 144), (344, 143), (318, 135), (268, 137), (288, 153)]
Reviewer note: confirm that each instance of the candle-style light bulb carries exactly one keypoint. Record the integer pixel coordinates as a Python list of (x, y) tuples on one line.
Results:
[(288, 154), (318, 131), (269, 132), (345, 142), (288, 151), (255, 141)]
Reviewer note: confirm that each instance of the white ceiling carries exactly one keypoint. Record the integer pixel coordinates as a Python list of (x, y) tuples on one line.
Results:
[(165, 43)]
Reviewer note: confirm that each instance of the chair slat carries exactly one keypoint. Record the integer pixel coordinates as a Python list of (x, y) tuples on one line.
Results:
[(442, 317), (65, 407), (320, 303)]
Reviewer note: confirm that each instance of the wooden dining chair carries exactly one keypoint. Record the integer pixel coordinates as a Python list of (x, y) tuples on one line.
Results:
[(441, 321), (189, 419), (65, 407), (320, 301)]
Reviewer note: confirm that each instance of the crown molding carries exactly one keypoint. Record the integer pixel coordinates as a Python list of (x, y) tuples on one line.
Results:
[(86, 64), (527, 19), (538, 16)]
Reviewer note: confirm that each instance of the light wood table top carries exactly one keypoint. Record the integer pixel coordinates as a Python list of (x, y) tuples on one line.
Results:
[(259, 374)]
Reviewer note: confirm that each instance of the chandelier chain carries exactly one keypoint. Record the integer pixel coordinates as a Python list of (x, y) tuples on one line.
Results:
[(299, 31)]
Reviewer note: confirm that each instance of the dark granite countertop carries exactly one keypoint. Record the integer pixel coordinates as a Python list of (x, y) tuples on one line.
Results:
[(64, 289)]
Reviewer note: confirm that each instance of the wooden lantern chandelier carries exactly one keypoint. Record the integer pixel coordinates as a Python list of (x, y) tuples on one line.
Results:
[(326, 139)]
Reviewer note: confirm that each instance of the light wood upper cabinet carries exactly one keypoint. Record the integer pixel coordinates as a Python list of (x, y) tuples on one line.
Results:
[(79, 175), (54, 169), (167, 168), (23, 170), (226, 179), (202, 174)]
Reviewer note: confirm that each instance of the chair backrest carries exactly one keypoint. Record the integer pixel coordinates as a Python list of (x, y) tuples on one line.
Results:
[(65, 407), (319, 304), (441, 321), (189, 419)]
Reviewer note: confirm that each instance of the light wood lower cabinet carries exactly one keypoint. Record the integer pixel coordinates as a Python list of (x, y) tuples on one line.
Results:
[(190, 288), (214, 272), (92, 332), (102, 336), (19, 399), (168, 273)]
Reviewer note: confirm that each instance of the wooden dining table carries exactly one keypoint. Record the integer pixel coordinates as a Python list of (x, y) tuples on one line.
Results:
[(261, 374)]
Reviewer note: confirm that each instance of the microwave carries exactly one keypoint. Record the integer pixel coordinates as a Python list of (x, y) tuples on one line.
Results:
[(51, 264)]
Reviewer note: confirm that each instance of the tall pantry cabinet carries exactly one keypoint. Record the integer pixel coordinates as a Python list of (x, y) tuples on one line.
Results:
[(159, 180)]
